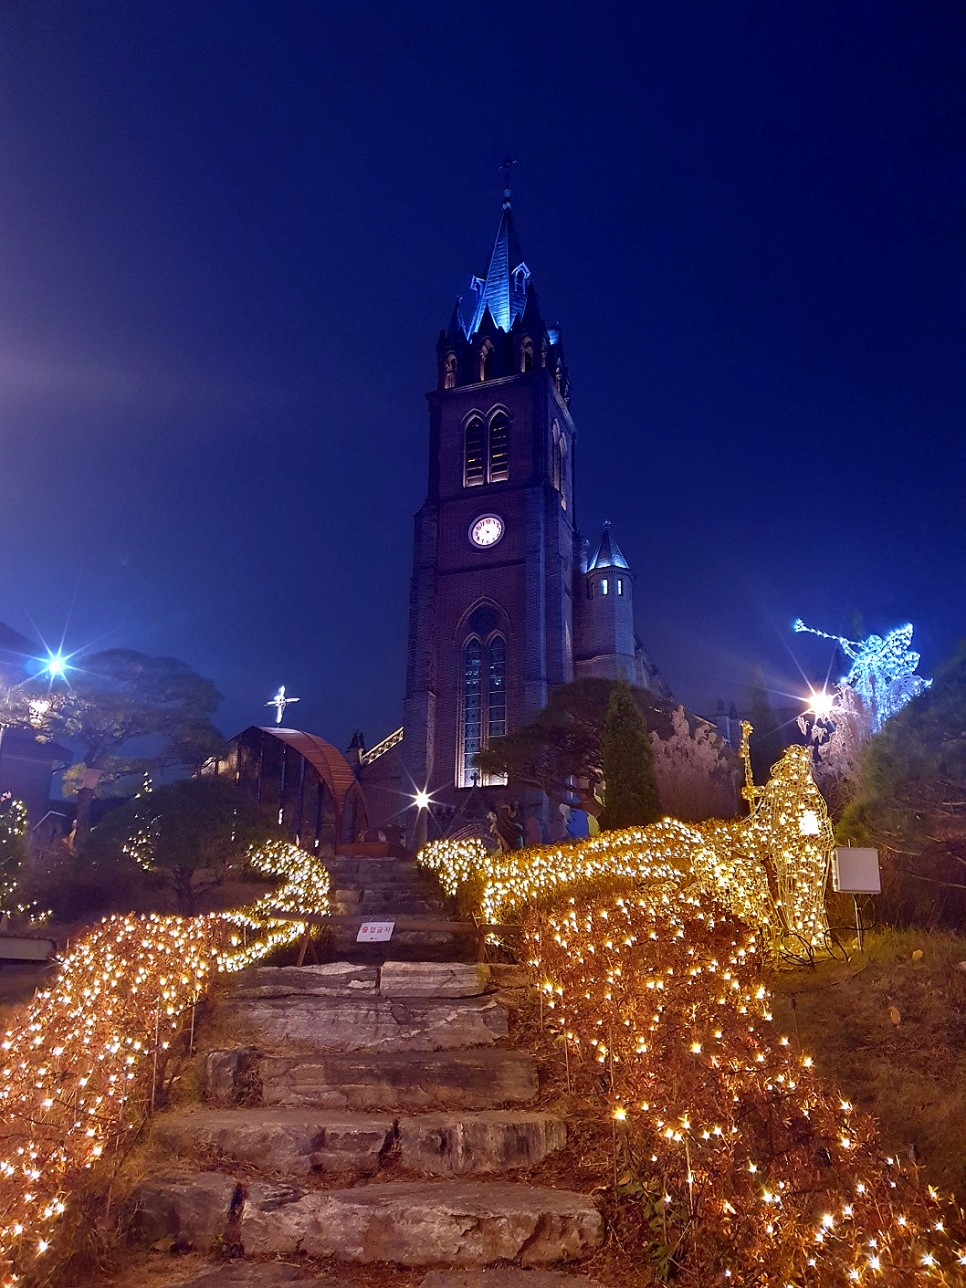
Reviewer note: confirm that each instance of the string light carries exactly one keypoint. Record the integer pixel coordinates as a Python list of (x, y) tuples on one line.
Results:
[(651, 975), (77, 1064)]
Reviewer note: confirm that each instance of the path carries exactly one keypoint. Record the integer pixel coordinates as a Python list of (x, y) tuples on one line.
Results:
[(366, 1113)]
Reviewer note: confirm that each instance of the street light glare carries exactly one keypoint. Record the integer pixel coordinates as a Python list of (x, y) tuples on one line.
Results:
[(422, 800), (56, 666), (822, 703)]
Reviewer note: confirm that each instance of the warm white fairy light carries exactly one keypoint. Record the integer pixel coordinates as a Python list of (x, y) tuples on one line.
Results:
[(77, 1063), (649, 976)]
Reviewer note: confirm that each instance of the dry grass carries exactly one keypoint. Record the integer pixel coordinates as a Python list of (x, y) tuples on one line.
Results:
[(910, 1075)]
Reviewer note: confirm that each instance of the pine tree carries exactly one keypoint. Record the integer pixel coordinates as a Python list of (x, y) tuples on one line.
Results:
[(631, 787), (767, 740)]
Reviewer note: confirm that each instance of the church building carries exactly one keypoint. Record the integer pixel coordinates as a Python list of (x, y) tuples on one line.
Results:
[(507, 598)]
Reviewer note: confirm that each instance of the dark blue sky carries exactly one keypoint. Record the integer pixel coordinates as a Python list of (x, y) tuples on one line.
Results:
[(229, 235)]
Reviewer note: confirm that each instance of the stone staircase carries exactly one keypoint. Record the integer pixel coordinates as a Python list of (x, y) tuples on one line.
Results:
[(365, 1113)]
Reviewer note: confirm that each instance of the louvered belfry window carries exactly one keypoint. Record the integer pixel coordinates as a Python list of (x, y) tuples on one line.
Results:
[(474, 455), (498, 470)]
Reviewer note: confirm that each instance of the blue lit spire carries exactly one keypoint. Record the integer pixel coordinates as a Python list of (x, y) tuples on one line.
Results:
[(608, 553), (504, 289)]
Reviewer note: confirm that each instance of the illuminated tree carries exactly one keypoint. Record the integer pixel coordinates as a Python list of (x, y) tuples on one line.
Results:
[(188, 835), (114, 699), (630, 788), (13, 825)]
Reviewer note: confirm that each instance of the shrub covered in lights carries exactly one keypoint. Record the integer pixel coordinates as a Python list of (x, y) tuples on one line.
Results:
[(79, 1060), (763, 1174), (648, 945)]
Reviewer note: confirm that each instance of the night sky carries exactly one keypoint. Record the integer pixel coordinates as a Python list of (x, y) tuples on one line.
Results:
[(230, 233)]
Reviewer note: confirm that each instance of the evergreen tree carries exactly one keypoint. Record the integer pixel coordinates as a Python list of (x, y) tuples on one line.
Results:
[(631, 788), (767, 740)]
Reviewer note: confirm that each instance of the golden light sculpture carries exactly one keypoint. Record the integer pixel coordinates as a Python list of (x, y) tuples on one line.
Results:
[(78, 1062), (771, 868), (648, 945)]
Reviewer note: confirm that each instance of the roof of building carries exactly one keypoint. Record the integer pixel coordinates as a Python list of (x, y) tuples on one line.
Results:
[(608, 553), (330, 764), (504, 289)]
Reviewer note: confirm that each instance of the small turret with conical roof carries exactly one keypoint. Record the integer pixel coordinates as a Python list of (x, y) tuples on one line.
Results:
[(605, 644)]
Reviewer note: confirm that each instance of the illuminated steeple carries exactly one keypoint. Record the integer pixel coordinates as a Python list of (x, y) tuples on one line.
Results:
[(504, 289)]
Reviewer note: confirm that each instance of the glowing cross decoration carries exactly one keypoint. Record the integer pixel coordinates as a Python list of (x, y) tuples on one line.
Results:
[(280, 702)]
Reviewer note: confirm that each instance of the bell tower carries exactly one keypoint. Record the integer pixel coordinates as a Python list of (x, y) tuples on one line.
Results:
[(496, 552)]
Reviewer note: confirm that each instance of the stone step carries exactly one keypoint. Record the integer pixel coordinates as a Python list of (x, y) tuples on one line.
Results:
[(502, 1278), (295, 1141), (496, 1140), (356, 868), (353, 902), (334, 979), (332, 1142), (467, 1080), (433, 979), (420, 1223), (324, 1023), (410, 1223)]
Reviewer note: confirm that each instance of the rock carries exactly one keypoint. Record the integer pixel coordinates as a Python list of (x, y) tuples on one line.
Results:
[(504, 975), (469, 1223), (335, 979), (895, 1016), (433, 979), (493, 1141), (361, 1023), (231, 1075), (504, 1279), (286, 1140), (190, 1208), (381, 1080), (261, 1274)]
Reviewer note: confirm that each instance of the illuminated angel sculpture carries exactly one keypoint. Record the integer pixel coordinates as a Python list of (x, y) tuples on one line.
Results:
[(882, 674)]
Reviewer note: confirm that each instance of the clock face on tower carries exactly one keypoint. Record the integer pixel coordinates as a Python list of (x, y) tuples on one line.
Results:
[(486, 531)]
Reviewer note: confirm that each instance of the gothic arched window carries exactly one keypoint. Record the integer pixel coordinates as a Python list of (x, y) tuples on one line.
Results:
[(555, 456), (487, 361), (474, 453), (526, 355), (483, 705), (449, 371), (498, 468)]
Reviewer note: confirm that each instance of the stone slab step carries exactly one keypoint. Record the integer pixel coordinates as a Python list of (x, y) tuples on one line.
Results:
[(374, 903), (357, 868), (463, 1222), (367, 1023), (294, 1141), (467, 1080), (433, 979), (448, 1144), (191, 1271), (335, 979), (505, 1279)]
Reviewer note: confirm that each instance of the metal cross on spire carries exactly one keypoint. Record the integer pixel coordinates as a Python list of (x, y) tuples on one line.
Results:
[(280, 702), (505, 167)]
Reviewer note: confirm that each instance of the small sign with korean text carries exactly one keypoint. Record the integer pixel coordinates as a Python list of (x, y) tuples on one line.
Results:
[(375, 932)]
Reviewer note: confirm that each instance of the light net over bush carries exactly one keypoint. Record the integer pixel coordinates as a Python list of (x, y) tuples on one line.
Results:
[(79, 1060), (648, 944)]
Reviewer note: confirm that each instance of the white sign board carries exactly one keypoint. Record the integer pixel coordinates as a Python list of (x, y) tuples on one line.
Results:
[(855, 870), (375, 932)]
